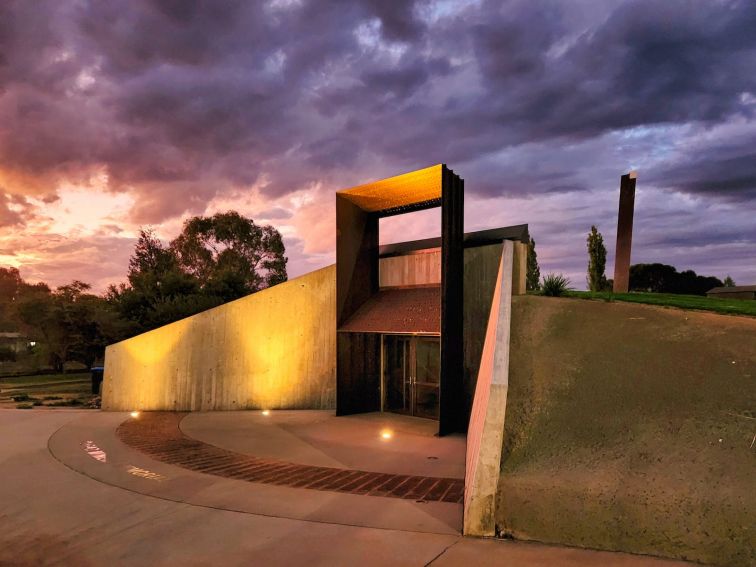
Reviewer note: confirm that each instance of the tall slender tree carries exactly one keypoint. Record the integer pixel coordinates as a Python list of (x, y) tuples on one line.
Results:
[(596, 261), (533, 278)]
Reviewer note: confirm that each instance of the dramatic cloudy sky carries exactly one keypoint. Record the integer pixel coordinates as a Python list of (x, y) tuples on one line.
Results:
[(116, 115)]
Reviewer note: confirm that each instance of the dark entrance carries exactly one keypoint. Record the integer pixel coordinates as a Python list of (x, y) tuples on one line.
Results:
[(411, 375)]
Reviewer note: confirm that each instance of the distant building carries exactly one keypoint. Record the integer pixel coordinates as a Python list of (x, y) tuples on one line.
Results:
[(733, 292), (16, 342)]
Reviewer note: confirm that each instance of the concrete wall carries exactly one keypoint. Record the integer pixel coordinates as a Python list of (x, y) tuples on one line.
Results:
[(273, 349), (520, 268), (481, 270), (630, 427), (486, 426)]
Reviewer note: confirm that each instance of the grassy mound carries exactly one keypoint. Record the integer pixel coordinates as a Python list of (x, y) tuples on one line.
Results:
[(631, 427)]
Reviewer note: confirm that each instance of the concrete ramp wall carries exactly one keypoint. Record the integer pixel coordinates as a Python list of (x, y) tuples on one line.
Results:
[(273, 349), (486, 426)]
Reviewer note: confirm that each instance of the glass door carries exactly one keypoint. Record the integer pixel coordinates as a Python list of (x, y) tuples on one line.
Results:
[(427, 376), (411, 375)]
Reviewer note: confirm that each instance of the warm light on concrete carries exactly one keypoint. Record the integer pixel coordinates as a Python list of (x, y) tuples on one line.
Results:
[(272, 349), (387, 434), (266, 412), (134, 414)]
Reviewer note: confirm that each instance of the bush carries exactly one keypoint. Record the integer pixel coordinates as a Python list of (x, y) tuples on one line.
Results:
[(555, 285), (65, 403), (7, 354)]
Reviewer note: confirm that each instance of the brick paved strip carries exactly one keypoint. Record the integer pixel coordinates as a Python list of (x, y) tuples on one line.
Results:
[(158, 435), (420, 489), (439, 490), (385, 489)]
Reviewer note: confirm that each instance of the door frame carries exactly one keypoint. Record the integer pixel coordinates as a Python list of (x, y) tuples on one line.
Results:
[(383, 368)]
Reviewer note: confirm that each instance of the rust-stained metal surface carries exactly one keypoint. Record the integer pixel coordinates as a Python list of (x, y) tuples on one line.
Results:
[(416, 189), (403, 310)]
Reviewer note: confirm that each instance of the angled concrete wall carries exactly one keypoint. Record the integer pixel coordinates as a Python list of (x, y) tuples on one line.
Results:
[(486, 428), (272, 349)]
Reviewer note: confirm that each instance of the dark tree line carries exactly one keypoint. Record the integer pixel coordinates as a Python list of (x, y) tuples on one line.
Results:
[(214, 260), (661, 278), (652, 278)]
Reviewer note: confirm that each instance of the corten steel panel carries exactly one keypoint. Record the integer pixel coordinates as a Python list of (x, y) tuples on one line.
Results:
[(411, 310), (471, 240), (357, 265), (403, 193), (358, 373), (452, 401), (624, 233), (356, 257)]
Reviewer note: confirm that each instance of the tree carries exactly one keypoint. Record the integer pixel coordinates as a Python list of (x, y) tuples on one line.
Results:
[(596, 261), (533, 278), (10, 284), (158, 291), (728, 281), (662, 278), (13, 289), (230, 255), (214, 260), (73, 323)]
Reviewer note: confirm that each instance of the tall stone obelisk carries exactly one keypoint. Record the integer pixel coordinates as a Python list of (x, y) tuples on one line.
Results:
[(624, 233)]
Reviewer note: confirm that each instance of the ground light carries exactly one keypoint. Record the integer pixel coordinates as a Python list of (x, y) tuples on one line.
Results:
[(134, 414), (387, 434), (266, 412)]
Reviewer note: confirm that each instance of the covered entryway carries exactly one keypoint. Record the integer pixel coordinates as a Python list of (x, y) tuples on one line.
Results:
[(411, 375)]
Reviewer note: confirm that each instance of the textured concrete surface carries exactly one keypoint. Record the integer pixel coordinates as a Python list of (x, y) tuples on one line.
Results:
[(53, 514), (631, 427), (272, 349), (486, 429)]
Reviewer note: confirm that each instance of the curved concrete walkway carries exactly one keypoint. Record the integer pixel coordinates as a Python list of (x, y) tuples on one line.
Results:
[(158, 435), (87, 499)]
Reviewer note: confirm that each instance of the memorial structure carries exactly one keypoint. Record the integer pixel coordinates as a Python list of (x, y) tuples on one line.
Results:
[(419, 328), (624, 233)]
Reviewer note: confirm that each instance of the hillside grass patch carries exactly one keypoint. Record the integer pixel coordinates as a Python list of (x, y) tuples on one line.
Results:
[(697, 302)]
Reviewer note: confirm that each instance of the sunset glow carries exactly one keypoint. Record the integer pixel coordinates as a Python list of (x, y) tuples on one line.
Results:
[(103, 133)]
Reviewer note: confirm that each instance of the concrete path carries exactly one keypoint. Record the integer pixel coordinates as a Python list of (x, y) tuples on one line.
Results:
[(319, 438), (51, 514)]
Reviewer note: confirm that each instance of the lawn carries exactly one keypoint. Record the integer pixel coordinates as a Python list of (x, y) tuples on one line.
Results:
[(700, 302), (46, 390), (39, 379)]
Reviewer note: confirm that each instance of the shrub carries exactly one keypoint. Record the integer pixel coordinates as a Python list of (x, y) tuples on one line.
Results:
[(7, 354), (555, 285), (65, 403)]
